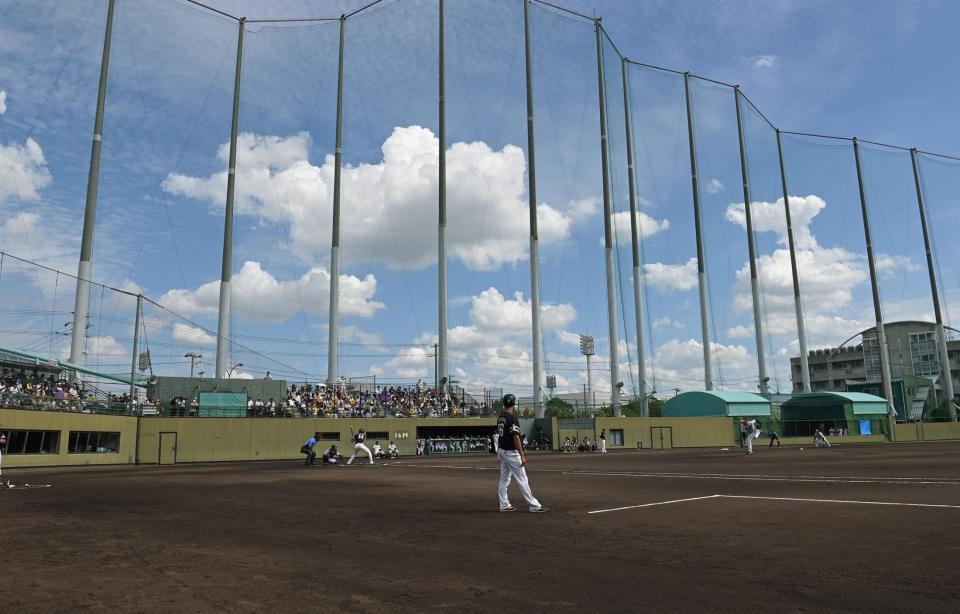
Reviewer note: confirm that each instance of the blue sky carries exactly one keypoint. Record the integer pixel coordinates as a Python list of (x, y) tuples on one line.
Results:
[(876, 70)]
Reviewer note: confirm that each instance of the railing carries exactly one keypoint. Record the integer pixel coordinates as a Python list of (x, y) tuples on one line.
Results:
[(376, 410), (20, 400)]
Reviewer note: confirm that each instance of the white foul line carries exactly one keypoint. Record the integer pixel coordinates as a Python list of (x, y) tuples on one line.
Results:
[(713, 476), (840, 501), (632, 507), (802, 500)]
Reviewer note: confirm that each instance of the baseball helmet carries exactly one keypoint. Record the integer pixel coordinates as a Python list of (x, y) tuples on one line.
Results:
[(509, 400), (361, 430)]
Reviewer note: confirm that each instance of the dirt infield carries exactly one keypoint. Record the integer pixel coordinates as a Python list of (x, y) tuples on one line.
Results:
[(424, 534)]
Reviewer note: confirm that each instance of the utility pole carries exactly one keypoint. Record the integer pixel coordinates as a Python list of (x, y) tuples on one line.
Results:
[(193, 356), (587, 349), (436, 373), (133, 356), (85, 266)]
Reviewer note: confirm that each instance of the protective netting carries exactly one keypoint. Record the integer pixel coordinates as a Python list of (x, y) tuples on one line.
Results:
[(163, 180)]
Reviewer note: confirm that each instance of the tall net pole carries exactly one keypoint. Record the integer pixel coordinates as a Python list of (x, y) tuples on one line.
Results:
[(333, 338), (442, 368), (945, 374), (608, 232), (635, 242), (85, 266), (223, 318), (885, 377), (534, 233), (701, 254), (797, 302), (752, 250)]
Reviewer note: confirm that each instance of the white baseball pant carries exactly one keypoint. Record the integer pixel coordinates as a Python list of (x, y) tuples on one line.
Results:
[(750, 438), (603, 446), (356, 450), (510, 468)]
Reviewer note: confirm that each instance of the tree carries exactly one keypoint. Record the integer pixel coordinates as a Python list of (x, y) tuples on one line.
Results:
[(558, 408), (634, 409)]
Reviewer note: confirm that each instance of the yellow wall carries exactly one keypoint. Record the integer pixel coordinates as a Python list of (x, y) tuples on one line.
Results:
[(938, 431), (20, 419), (246, 439), (686, 432), (908, 432)]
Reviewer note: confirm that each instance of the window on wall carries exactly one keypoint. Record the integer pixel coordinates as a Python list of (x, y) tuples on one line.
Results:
[(375, 435), (32, 442), (93, 442), (331, 436), (616, 437)]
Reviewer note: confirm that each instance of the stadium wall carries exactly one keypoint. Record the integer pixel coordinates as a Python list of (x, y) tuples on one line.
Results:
[(250, 439), (64, 423), (928, 431), (667, 432)]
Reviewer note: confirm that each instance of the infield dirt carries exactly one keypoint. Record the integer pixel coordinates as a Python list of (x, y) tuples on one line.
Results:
[(424, 534)]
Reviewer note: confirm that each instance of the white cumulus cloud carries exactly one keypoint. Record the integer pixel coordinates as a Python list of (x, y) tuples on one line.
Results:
[(23, 171), (647, 226), (277, 183), (666, 277), (261, 296), (765, 61)]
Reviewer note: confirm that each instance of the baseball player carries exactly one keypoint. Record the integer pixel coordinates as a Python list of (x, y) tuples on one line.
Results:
[(331, 456), (358, 446), (377, 450), (512, 459), (3, 446), (603, 441), (774, 437), (819, 440), (751, 428), (393, 450)]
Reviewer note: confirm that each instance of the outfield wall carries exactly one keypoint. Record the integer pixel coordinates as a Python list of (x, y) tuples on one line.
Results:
[(189, 440), (928, 431)]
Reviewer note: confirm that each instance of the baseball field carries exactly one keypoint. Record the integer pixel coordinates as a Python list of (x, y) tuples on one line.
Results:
[(846, 529)]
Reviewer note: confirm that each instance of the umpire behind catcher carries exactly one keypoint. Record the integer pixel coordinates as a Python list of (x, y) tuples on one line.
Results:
[(512, 459)]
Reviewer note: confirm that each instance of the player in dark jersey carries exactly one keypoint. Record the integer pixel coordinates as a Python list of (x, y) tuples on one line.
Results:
[(512, 458), (358, 445)]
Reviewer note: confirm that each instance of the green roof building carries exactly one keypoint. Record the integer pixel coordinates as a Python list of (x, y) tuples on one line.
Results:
[(713, 403), (853, 413)]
